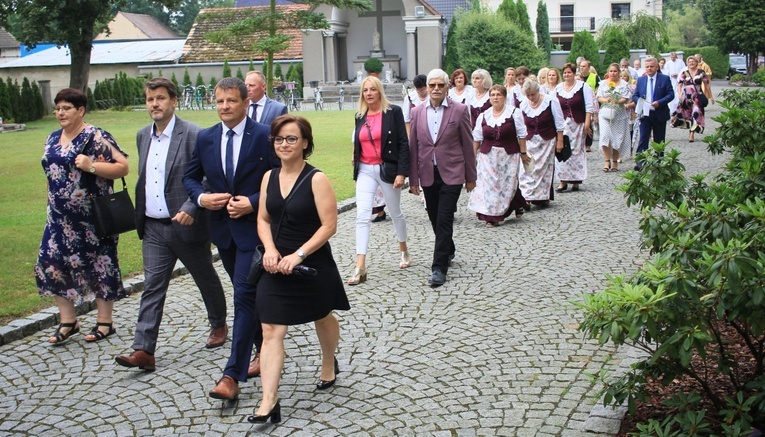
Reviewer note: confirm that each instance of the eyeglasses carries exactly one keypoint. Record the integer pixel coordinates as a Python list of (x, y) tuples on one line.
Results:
[(436, 85), (64, 108), (290, 139)]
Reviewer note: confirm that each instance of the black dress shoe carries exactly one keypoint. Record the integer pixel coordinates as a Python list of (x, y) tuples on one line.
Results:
[(451, 259), (380, 218), (323, 385), (437, 278), (275, 415), (637, 167)]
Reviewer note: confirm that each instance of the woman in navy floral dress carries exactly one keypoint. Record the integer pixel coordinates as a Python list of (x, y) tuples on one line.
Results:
[(74, 264)]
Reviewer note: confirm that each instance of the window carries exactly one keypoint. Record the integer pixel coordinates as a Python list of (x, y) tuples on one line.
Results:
[(620, 11), (566, 18)]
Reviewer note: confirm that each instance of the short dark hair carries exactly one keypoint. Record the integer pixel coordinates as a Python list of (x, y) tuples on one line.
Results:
[(302, 124), (74, 96), (569, 66), (229, 83), (523, 70), (420, 81), (499, 88), (161, 82), (457, 73)]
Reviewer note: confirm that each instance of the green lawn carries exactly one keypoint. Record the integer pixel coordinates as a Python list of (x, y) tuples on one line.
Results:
[(23, 193)]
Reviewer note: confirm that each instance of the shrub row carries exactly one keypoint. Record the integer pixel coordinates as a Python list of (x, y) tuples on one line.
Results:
[(20, 104)]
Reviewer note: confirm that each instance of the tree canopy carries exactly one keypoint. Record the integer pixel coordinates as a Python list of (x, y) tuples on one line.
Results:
[(491, 42), (738, 27), (72, 23), (686, 28), (644, 31), (544, 41), (246, 30)]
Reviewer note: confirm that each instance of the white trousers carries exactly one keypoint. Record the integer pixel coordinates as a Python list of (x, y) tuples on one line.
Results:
[(367, 182)]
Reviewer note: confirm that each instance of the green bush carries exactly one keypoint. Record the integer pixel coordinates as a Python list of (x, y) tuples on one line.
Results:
[(372, 65), (738, 77), (584, 45), (226, 69), (707, 241), (491, 42), (616, 44), (759, 77)]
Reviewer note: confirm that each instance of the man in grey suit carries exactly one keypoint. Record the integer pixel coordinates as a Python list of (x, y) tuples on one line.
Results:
[(171, 226), (261, 108), (442, 160)]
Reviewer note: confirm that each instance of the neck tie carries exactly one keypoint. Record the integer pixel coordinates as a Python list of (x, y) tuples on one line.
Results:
[(230, 158), (254, 114), (649, 95)]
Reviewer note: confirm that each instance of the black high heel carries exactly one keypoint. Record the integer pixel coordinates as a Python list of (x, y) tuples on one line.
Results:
[(275, 415), (323, 385)]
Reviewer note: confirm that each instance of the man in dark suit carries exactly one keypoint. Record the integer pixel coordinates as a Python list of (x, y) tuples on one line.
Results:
[(171, 226), (656, 90), (261, 108), (233, 156), (442, 159)]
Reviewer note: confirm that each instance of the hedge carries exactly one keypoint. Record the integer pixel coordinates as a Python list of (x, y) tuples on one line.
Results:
[(717, 60)]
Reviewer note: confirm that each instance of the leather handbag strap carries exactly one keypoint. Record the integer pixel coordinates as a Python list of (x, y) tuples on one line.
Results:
[(287, 200)]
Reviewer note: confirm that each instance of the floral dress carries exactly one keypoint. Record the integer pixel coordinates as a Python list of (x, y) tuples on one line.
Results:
[(578, 99), (689, 109), (616, 131), (498, 163), (73, 262)]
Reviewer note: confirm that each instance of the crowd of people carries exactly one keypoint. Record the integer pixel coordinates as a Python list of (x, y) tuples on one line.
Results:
[(245, 186)]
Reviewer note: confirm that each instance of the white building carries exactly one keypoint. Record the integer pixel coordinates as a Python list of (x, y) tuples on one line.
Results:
[(570, 16)]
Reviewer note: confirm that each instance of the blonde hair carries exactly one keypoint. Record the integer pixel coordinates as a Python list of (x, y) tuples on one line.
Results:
[(542, 75), (505, 76), (363, 106), (487, 82)]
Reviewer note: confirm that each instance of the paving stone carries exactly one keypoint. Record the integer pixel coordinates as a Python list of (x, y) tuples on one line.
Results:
[(495, 351)]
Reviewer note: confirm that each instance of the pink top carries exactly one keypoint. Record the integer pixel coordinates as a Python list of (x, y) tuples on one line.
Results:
[(371, 150)]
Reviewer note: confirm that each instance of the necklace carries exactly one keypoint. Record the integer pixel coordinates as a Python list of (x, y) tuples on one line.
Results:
[(66, 137), (566, 87)]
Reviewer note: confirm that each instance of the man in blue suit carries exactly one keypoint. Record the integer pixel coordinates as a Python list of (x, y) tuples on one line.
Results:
[(233, 156), (656, 89), (261, 108)]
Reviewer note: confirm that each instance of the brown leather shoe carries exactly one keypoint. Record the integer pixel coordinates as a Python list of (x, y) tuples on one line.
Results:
[(217, 337), (139, 359), (227, 388), (254, 369)]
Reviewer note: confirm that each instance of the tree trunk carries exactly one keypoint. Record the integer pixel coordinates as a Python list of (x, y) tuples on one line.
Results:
[(78, 77)]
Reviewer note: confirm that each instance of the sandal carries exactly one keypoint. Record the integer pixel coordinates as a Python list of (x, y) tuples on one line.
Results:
[(99, 334), (405, 260), (615, 167), (519, 213), (59, 337), (359, 276), (607, 167)]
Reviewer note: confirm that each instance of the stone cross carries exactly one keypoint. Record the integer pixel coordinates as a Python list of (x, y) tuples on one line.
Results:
[(379, 14)]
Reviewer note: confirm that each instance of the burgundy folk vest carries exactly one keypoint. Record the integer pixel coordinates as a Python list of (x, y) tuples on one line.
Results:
[(574, 107), (475, 112), (504, 136), (543, 124)]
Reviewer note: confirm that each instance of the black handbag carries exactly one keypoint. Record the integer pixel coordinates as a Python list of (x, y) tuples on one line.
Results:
[(114, 213), (256, 266), (565, 153), (703, 100)]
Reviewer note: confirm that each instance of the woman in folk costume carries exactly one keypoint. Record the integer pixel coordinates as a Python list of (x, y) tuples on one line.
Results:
[(499, 138), (544, 126), (575, 100)]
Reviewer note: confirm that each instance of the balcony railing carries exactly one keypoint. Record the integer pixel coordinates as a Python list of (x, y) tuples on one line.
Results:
[(571, 24)]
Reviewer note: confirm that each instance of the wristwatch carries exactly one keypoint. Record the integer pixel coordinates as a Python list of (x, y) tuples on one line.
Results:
[(92, 168), (301, 254)]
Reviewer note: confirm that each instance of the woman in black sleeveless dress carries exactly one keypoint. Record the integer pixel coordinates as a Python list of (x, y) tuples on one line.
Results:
[(295, 229)]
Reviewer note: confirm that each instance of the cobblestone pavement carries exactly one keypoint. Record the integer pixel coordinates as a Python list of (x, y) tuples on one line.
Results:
[(495, 351)]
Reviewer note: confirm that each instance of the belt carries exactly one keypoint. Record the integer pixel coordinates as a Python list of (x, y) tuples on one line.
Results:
[(164, 221)]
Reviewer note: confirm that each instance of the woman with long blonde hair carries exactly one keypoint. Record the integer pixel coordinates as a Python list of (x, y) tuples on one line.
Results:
[(380, 159)]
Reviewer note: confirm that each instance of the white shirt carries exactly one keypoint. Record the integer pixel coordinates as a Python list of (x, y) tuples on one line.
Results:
[(259, 113), (154, 175), (674, 68), (407, 107), (435, 116), (238, 132)]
